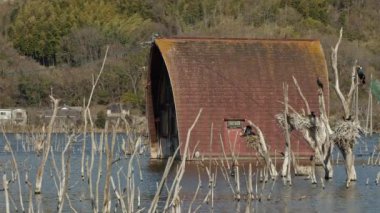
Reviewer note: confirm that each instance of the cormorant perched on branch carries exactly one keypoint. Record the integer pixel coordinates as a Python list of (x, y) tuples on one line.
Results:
[(320, 84), (247, 131), (361, 75), (312, 118), (347, 119)]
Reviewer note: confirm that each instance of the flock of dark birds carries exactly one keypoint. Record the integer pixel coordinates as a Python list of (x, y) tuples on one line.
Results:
[(359, 71), (361, 75)]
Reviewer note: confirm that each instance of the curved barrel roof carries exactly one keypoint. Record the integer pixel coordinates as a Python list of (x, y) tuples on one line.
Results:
[(238, 79)]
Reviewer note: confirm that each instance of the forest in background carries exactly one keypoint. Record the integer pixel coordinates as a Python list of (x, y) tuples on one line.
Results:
[(57, 45)]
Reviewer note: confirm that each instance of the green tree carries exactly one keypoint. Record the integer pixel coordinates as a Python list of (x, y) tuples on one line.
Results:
[(34, 91), (82, 46), (315, 9), (37, 29), (141, 7), (100, 119), (41, 28)]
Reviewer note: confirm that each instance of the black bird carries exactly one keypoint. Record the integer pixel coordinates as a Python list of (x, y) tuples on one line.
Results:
[(347, 119), (312, 118), (361, 75), (247, 131), (320, 84)]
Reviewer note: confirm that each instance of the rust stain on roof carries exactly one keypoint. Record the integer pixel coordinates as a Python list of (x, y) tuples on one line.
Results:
[(165, 46), (184, 38)]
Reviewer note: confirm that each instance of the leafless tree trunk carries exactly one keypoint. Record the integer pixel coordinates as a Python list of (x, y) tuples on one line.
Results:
[(5, 186), (94, 83), (317, 133), (300, 170), (308, 112), (109, 154), (100, 162), (369, 113), (65, 173), (176, 186), (286, 164), (345, 145), (156, 197), (30, 187), (119, 196), (40, 171), (345, 101), (326, 145), (17, 171), (130, 188), (263, 151), (349, 158), (84, 138), (93, 150), (135, 77)]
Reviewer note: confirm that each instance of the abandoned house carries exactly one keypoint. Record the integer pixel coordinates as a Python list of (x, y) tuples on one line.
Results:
[(117, 110), (232, 80), (67, 116), (13, 116)]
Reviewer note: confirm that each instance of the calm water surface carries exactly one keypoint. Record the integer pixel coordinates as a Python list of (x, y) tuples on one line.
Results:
[(301, 196)]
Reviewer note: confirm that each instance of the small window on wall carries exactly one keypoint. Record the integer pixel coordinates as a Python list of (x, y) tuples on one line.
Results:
[(234, 123)]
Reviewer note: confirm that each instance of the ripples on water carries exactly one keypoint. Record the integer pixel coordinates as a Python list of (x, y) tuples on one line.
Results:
[(301, 196)]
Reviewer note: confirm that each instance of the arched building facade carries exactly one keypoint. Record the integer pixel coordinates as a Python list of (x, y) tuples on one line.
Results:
[(232, 80)]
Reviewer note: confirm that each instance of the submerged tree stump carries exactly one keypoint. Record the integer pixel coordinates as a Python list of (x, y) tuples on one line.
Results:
[(344, 137)]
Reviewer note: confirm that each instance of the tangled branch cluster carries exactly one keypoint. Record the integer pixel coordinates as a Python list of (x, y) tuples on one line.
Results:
[(295, 121), (345, 133), (253, 141)]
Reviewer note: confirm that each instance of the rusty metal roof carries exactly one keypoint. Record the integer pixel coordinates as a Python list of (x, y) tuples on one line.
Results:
[(239, 79)]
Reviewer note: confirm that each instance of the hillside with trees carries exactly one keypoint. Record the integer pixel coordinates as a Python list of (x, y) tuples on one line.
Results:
[(57, 45)]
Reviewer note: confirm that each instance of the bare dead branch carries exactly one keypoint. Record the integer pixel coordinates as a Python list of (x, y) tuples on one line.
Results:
[(5, 186), (40, 171), (302, 96), (16, 168)]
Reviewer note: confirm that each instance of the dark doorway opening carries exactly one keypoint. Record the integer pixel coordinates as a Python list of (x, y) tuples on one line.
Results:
[(163, 107)]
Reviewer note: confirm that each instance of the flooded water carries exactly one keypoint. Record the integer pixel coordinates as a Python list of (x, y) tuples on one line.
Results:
[(362, 196)]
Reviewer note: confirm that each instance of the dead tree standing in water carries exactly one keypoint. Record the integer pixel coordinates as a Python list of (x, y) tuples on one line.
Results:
[(257, 142), (314, 129), (317, 132), (346, 130), (47, 144)]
